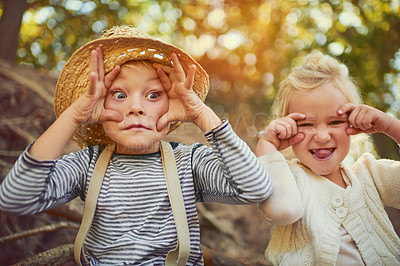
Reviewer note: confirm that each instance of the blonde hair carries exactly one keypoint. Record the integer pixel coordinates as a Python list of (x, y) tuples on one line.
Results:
[(138, 64), (318, 71)]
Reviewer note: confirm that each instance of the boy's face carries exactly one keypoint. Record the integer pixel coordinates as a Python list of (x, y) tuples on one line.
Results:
[(138, 94), (326, 143)]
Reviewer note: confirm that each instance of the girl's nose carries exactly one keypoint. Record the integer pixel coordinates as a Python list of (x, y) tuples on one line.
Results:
[(322, 134)]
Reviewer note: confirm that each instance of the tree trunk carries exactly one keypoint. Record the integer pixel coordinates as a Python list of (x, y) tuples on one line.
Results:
[(10, 24), (387, 147)]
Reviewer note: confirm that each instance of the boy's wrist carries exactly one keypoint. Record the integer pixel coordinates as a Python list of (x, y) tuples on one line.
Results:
[(70, 118), (207, 120)]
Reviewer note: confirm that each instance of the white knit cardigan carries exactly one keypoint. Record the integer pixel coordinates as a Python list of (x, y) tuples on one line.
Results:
[(315, 238)]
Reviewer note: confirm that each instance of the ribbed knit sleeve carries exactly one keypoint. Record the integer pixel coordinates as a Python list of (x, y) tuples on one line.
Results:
[(33, 186), (284, 206), (385, 177), (229, 172)]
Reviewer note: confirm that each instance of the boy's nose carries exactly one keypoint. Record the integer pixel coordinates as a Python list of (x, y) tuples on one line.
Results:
[(135, 108)]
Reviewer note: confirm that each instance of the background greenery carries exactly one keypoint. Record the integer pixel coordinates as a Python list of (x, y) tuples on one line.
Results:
[(247, 47)]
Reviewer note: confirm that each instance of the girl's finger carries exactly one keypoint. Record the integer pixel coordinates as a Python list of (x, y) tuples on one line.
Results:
[(283, 130), (296, 139), (297, 116), (346, 108)]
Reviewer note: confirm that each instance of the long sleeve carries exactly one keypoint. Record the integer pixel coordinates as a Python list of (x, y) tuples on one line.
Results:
[(384, 175), (33, 186), (229, 172), (284, 206)]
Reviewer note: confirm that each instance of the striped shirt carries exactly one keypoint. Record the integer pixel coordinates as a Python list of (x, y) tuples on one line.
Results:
[(133, 222)]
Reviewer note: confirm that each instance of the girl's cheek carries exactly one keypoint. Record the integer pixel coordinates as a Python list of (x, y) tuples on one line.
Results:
[(307, 130)]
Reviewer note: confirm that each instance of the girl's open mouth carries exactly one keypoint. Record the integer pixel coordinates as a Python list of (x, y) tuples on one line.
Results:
[(322, 154)]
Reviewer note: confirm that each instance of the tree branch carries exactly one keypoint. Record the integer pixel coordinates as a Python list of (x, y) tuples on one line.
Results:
[(39, 230)]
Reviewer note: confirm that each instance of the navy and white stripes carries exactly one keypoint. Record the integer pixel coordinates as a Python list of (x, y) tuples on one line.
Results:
[(133, 223)]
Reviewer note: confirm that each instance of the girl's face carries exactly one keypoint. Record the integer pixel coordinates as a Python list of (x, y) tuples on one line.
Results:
[(326, 143), (138, 94)]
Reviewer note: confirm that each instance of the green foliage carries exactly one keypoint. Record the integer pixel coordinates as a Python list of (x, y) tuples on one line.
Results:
[(247, 47)]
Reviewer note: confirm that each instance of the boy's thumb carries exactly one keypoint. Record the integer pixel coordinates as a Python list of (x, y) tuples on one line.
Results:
[(162, 122), (111, 115)]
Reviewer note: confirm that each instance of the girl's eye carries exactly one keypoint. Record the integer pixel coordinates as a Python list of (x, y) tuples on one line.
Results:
[(119, 95), (337, 122), (153, 95), (305, 125)]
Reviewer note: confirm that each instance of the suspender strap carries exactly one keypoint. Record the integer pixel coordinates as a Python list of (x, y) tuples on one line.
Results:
[(182, 249), (91, 201), (177, 256)]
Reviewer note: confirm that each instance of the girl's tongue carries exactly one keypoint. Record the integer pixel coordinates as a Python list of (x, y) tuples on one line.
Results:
[(322, 153)]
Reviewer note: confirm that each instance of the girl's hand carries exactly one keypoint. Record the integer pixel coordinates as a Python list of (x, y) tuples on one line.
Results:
[(89, 108), (184, 104), (366, 119), (280, 133)]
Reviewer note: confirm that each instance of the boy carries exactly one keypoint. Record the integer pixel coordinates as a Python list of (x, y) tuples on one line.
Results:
[(130, 101)]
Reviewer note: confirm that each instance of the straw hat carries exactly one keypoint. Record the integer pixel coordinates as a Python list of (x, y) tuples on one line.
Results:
[(119, 44)]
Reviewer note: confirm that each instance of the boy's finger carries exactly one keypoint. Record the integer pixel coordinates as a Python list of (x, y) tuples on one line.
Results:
[(100, 63), (165, 80), (190, 78), (92, 83), (111, 115), (162, 122), (179, 72), (166, 69), (110, 77)]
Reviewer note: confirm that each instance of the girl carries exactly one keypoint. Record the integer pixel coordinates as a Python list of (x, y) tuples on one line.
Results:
[(338, 215)]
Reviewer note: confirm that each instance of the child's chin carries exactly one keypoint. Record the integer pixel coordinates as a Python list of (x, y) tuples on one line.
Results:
[(139, 147)]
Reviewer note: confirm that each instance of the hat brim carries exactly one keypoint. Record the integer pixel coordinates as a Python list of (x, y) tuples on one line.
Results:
[(74, 78)]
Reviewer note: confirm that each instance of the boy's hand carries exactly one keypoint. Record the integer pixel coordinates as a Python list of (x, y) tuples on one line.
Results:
[(184, 104), (89, 108), (366, 119), (281, 133)]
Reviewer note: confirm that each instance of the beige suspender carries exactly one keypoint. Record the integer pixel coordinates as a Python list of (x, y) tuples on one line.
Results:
[(177, 256), (182, 249), (91, 201)]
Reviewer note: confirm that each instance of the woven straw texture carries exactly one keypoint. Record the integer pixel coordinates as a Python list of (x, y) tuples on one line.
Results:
[(120, 45)]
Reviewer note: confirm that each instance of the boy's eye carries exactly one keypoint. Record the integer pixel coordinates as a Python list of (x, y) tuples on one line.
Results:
[(153, 95), (119, 95)]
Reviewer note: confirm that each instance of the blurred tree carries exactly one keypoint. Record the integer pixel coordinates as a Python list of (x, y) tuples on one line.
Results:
[(247, 47), (10, 24)]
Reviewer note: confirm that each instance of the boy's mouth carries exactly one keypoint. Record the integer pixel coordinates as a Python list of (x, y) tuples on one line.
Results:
[(137, 127), (322, 154)]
